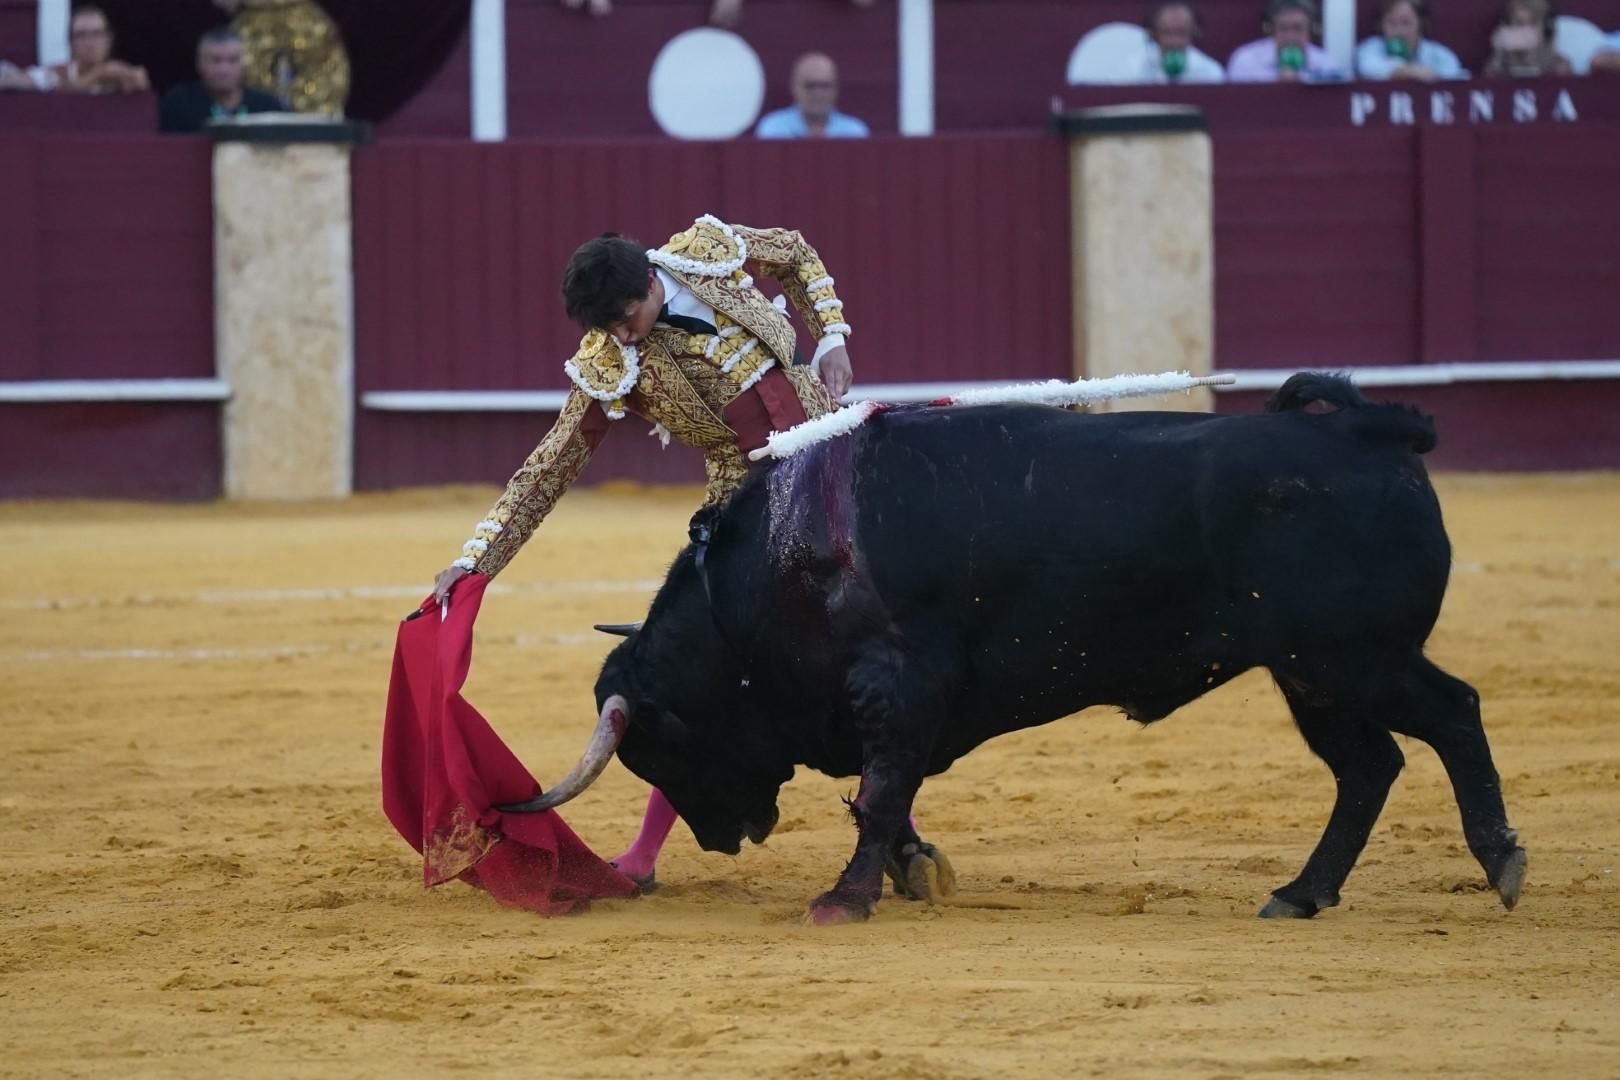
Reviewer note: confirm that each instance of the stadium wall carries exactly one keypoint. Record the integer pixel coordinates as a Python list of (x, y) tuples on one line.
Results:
[(1407, 250)]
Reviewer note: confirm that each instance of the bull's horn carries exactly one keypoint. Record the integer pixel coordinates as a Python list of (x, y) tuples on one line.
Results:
[(618, 629), (610, 729)]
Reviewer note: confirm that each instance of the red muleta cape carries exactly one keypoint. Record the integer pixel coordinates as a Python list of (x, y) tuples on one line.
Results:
[(444, 770)]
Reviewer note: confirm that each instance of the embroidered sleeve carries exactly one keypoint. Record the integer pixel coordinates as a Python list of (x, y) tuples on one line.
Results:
[(784, 255), (537, 485), (726, 467)]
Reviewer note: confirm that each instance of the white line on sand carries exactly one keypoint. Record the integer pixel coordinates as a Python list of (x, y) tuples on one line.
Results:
[(278, 652), (278, 596)]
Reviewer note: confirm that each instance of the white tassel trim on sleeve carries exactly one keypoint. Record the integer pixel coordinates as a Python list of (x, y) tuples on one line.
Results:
[(828, 305), (692, 266), (464, 563), (819, 283), (632, 372)]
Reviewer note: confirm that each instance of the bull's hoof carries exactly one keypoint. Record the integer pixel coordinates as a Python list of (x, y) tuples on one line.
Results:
[(922, 873), (830, 910), (1278, 908), (1510, 877), (644, 883)]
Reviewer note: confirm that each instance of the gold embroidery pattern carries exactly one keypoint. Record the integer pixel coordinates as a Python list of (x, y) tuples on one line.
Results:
[(298, 34), (535, 488), (784, 255), (601, 369), (726, 467), (813, 393), (668, 395), (449, 853)]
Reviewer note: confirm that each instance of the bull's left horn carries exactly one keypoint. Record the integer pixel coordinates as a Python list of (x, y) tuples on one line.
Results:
[(610, 729)]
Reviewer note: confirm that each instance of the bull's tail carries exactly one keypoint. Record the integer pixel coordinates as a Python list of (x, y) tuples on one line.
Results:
[(1392, 422)]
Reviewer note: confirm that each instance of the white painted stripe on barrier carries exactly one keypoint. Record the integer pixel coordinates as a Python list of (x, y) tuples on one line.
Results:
[(70, 390), (277, 596), (899, 393), (464, 400), (1433, 374)]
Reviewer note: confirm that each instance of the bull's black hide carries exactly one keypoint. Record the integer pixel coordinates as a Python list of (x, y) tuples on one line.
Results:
[(885, 602)]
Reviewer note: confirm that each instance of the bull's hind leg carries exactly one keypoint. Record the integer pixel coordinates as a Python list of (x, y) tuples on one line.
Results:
[(1443, 711), (1365, 762)]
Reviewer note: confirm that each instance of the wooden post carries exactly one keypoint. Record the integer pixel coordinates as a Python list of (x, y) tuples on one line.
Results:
[(1142, 245), (283, 306)]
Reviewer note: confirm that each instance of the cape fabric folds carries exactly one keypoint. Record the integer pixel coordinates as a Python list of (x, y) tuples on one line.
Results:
[(444, 770)]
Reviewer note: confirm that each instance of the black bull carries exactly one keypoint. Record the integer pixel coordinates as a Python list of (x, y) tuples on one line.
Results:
[(882, 603)]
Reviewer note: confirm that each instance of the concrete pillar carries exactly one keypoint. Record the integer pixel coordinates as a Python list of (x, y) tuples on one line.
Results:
[(283, 306), (1142, 245)]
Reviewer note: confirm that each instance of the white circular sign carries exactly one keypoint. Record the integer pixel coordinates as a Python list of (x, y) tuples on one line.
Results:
[(706, 84)]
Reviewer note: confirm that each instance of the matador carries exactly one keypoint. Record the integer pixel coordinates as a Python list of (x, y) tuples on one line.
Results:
[(682, 337)]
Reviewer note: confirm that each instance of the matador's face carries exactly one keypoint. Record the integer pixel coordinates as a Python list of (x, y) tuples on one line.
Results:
[(639, 315)]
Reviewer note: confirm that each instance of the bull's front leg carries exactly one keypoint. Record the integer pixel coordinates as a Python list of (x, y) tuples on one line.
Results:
[(881, 811)]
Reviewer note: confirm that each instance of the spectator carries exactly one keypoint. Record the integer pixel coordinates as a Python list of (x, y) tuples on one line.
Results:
[(1171, 57), (1606, 61), (815, 92), (1285, 54), (729, 12), (1404, 52), (91, 68), (1523, 42), (189, 106)]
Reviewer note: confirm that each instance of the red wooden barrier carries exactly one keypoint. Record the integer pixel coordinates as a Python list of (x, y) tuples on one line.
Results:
[(107, 274), (108, 267)]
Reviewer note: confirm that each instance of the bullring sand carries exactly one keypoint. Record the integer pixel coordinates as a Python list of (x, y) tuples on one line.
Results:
[(197, 879)]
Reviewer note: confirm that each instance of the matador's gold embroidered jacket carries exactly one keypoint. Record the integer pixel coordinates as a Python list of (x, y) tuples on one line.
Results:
[(719, 392)]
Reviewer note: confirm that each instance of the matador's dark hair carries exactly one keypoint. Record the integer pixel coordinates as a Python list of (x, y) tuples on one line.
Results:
[(602, 277)]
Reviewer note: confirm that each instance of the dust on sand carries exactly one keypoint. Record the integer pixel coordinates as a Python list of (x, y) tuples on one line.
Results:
[(197, 878)]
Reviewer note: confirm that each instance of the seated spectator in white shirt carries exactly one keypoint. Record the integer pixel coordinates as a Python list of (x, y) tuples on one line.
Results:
[(1606, 61), (812, 116), (1172, 27), (1285, 54), (1404, 52)]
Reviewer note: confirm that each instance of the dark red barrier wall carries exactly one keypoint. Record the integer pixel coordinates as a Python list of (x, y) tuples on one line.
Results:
[(107, 273), (108, 257), (952, 254)]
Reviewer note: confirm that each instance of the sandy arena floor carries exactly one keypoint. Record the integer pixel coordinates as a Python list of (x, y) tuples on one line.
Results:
[(197, 879)]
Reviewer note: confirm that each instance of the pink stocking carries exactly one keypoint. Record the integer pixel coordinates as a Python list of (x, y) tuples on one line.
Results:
[(639, 862)]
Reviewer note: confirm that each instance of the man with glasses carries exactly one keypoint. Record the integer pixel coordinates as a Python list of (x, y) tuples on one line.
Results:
[(812, 116)]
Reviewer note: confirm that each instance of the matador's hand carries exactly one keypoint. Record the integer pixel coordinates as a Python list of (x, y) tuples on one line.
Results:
[(836, 372), (446, 581)]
